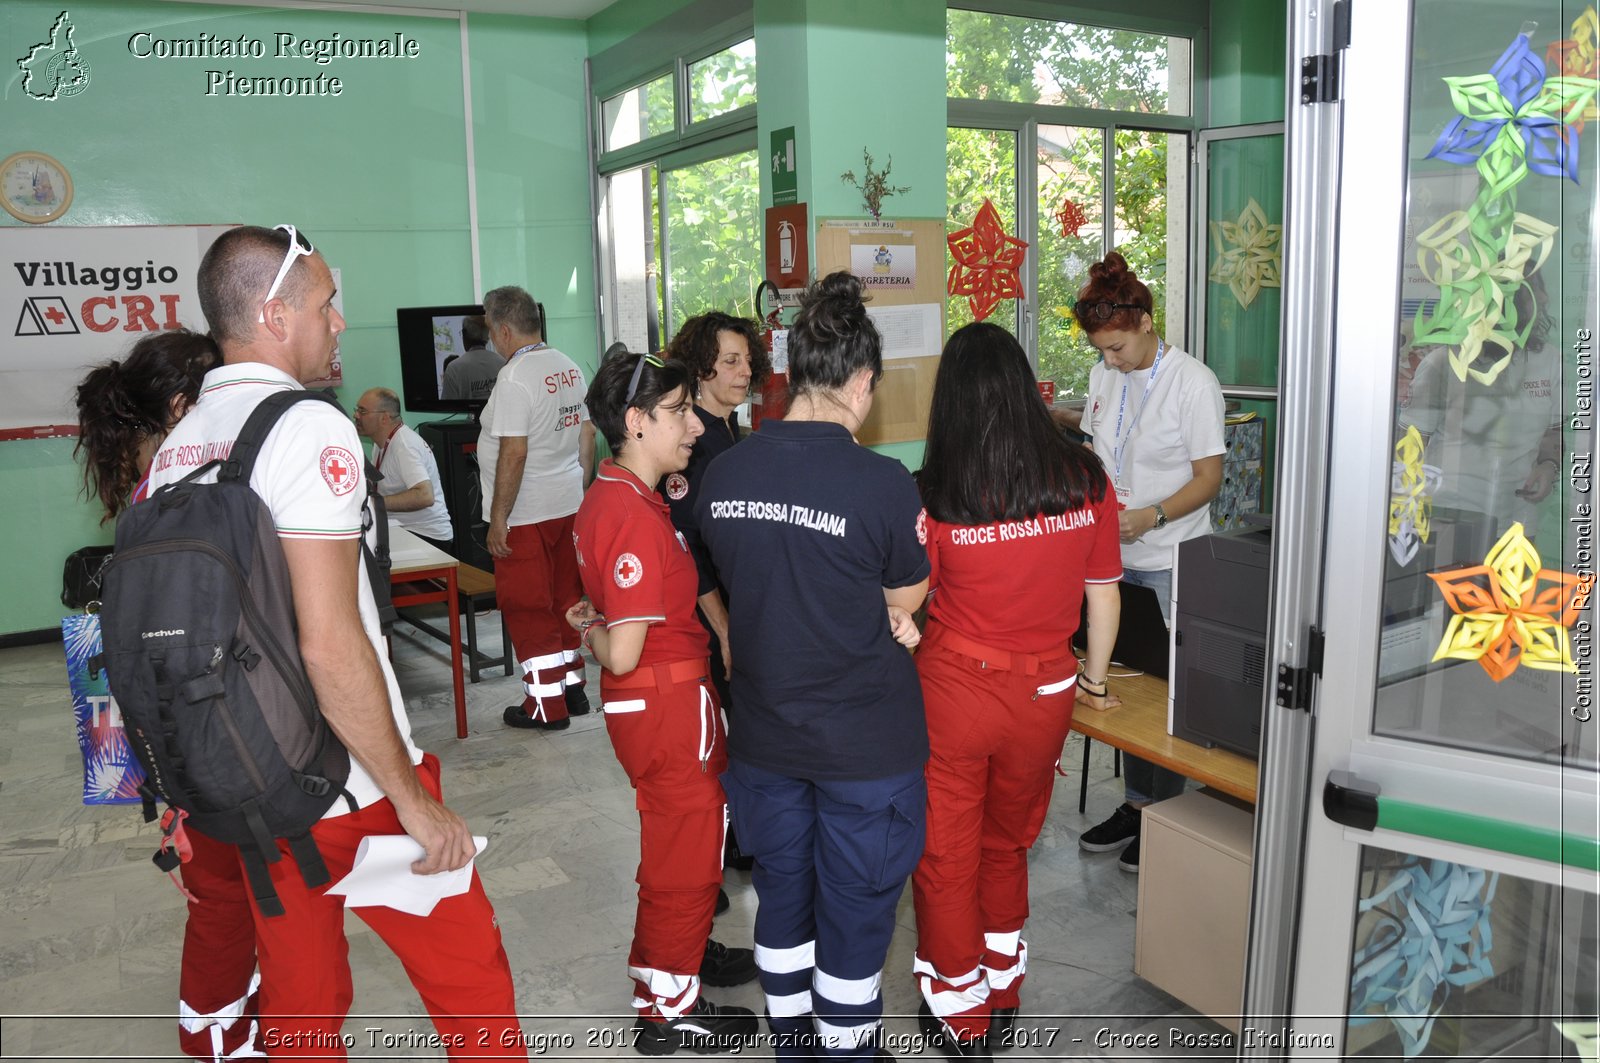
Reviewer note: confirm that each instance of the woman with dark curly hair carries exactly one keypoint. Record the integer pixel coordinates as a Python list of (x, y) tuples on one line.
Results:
[(725, 355), (125, 410), (818, 540)]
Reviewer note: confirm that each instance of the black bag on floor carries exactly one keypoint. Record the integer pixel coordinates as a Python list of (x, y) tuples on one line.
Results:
[(199, 644)]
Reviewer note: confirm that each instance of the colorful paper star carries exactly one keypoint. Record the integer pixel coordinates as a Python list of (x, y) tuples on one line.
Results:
[(1477, 287), (1579, 57), (1248, 254), (1412, 486), (1514, 120), (1511, 610), (1071, 217), (987, 259)]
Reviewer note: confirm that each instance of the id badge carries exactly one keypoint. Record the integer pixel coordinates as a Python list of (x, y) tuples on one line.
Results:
[(1124, 492)]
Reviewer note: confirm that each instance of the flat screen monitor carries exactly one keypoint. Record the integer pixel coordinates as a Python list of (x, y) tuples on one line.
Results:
[(430, 339)]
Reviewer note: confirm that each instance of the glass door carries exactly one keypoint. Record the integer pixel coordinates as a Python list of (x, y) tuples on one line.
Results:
[(1451, 872)]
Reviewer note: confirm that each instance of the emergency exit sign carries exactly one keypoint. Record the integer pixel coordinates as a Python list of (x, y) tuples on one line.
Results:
[(785, 174)]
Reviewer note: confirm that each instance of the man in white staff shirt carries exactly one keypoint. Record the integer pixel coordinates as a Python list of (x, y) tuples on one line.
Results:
[(410, 476), (535, 454), (268, 297)]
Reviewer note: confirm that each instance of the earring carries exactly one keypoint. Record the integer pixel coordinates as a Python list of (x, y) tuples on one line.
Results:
[(638, 435)]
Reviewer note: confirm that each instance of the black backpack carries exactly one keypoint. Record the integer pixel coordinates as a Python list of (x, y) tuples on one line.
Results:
[(201, 651)]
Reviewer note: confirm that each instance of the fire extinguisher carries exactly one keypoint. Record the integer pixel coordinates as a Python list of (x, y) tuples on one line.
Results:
[(773, 401)]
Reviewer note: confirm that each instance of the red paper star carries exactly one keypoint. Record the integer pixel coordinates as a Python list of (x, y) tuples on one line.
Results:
[(987, 261), (1071, 217)]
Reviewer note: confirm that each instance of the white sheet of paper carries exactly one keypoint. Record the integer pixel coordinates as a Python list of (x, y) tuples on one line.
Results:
[(382, 876), (908, 331)]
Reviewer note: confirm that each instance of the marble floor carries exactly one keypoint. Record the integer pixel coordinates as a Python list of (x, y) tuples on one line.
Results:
[(90, 931)]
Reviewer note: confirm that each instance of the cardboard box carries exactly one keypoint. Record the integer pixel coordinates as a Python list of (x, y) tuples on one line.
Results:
[(1194, 901)]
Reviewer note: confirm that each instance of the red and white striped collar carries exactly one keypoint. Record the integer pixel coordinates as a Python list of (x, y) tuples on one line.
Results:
[(611, 472)]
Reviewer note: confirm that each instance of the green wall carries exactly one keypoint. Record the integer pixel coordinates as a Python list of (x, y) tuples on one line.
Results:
[(1249, 46), (377, 176)]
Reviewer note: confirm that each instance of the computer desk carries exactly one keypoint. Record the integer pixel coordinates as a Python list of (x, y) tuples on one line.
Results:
[(1139, 726)]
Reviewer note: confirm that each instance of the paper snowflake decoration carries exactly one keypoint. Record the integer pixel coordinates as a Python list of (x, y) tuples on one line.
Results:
[(1579, 57), (1248, 254), (1071, 217), (987, 261), (1513, 120), (1511, 610), (1412, 486)]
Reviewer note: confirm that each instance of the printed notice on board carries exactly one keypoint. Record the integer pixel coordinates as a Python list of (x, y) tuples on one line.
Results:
[(907, 331)]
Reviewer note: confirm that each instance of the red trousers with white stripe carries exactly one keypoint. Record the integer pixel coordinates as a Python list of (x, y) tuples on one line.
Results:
[(996, 724), (666, 728), (453, 955), (216, 1010), (534, 588)]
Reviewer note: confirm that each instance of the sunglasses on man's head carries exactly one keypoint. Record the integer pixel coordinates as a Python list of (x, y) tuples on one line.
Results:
[(638, 371), (298, 245), (1101, 310)]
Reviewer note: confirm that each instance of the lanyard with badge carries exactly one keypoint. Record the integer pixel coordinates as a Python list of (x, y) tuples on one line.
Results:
[(530, 347), (1119, 442)]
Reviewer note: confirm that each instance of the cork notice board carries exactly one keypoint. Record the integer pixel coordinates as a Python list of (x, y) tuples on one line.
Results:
[(902, 265)]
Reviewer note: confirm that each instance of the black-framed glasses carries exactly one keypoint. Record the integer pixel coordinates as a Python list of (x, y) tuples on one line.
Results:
[(638, 371), (1101, 310), (298, 245)]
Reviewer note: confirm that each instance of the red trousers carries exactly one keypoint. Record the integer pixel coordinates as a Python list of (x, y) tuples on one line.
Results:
[(216, 1005), (666, 728), (535, 587), (453, 955), (996, 724)]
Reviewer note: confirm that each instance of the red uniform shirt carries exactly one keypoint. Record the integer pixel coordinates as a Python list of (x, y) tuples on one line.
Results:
[(1018, 585), (636, 568)]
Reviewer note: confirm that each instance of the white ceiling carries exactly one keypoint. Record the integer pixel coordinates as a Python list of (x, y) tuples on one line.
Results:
[(573, 9)]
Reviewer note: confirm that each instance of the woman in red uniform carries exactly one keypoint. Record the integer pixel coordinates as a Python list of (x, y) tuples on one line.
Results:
[(660, 708), (125, 410), (1022, 525)]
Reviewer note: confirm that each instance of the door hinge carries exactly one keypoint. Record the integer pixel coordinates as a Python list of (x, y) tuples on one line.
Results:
[(1294, 684), (1319, 74)]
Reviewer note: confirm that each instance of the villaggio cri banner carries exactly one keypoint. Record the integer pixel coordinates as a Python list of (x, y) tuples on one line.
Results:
[(316, 52)]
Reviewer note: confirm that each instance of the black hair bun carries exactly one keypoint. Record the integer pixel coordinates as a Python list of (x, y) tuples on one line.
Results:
[(835, 309)]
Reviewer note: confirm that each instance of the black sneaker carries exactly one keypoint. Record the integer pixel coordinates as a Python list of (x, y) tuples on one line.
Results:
[(706, 1027), (1002, 1028), (1114, 833), (517, 716), (1129, 860), (723, 966), (577, 701), (940, 1037)]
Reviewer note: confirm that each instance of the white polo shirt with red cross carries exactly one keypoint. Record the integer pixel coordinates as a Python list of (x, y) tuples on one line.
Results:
[(309, 473)]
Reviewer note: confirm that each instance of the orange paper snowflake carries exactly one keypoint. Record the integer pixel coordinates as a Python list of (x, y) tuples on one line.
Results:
[(987, 259), (1510, 610)]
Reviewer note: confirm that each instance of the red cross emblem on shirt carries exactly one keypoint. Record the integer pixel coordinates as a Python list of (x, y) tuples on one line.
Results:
[(338, 468), (627, 571)]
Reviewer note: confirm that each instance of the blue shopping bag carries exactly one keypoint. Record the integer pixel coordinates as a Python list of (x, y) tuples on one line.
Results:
[(111, 774)]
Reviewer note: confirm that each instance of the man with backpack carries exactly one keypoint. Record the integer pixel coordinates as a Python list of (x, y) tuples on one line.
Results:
[(268, 297)]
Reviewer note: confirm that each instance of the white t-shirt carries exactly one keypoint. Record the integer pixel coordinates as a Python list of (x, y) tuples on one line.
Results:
[(1167, 423), (310, 476), (1484, 438), (405, 461), (538, 394)]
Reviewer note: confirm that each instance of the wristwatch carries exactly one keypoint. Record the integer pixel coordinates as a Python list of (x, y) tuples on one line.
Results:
[(1161, 515)]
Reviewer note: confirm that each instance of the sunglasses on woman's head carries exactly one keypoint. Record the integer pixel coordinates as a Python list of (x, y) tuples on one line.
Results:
[(1101, 310), (638, 371)]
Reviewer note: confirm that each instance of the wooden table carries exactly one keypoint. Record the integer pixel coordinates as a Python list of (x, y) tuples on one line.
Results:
[(421, 573), (1139, 726)]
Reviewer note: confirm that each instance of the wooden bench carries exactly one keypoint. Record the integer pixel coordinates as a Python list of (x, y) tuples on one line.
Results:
[(474, 587)]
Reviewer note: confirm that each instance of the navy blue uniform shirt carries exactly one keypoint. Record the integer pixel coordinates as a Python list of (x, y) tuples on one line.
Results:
[(681, 489), (807, 529)]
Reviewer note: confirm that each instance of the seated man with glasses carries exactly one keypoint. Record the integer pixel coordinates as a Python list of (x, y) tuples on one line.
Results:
[(410, 475), (268, 298)]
